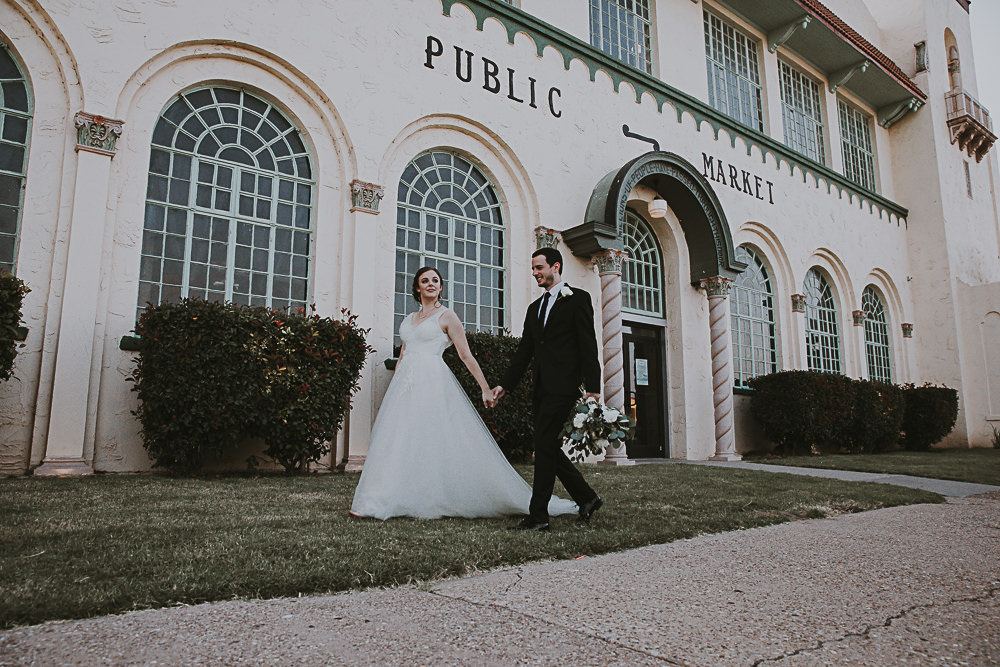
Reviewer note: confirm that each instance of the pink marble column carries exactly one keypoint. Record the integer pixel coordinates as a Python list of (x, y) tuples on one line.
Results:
[(717, 290)]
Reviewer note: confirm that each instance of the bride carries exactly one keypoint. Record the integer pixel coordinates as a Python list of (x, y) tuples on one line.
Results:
[(430, 453)]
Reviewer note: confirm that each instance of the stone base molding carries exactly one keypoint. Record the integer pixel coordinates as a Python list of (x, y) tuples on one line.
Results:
[(63, 467), (354, 463)]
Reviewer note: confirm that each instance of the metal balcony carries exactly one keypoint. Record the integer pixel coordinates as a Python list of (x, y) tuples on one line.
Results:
[(970, 123)]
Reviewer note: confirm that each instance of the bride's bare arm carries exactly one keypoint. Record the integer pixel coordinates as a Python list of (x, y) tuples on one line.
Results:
[(456, 332)]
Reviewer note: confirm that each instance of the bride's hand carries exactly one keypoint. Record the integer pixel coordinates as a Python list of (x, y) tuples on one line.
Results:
[(488, 399)]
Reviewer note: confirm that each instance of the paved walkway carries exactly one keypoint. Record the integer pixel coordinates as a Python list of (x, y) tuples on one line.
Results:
[(943, 486), (916, 585)]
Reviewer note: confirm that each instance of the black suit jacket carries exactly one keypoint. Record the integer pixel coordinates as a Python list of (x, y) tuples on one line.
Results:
[(564, 352)]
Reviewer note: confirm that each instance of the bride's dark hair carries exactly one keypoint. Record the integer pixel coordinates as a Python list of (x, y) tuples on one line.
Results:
[(416, 282)]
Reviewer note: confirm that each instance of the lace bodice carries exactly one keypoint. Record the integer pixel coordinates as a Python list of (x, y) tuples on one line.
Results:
[(425, 337)]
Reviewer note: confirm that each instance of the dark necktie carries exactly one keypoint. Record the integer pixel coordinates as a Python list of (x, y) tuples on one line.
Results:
[(543, 308)]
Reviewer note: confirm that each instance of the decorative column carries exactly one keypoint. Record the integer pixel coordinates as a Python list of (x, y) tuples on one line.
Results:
[(67, 428), (546, 238), (609, 267), (717, 290), (365, 198)]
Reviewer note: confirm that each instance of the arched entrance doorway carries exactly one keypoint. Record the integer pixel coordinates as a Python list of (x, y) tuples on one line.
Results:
[(711, 256)]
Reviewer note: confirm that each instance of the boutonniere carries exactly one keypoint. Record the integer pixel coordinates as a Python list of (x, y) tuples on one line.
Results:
[(565, 291)]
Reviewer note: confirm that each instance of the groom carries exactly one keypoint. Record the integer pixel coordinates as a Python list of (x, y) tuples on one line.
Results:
[(559, 340)]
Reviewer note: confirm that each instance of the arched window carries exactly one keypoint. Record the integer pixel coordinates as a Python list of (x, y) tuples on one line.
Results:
[(751, 308), (448, 216), (642, 272), (822, 334), (876, 336), (228, 204), (15, 128)]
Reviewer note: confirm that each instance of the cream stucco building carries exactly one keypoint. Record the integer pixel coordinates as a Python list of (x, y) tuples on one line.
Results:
[(745, 186)]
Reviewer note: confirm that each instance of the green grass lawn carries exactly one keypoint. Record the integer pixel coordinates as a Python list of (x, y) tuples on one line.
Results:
[(73, 548), (981, 466)]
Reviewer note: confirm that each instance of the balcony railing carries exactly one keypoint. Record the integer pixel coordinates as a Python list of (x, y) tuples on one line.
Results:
[(970, 123)]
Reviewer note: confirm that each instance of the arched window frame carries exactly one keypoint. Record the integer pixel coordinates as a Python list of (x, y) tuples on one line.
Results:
[(878, 348), (16, 111), (228, 203), (751, 308), (822, 328), (642, 270), (448, 215)]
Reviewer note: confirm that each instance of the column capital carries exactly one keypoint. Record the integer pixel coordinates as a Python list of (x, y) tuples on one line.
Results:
[(365, 197), (716, 286), (798, 303), (859, 317), (609, 261), (97, 134), (546, 238), (907, 330)]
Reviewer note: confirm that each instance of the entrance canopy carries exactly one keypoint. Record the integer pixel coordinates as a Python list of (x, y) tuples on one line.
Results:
[(706, 231)]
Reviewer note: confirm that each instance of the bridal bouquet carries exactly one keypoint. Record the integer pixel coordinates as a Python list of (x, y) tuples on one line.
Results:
[(592, 427)]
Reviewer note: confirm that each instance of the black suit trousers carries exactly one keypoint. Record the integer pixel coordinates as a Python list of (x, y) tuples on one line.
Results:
[(551, 462)]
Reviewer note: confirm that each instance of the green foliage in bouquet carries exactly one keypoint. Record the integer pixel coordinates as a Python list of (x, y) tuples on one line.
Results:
[(593, 426), (510, 421), (210, 375), (12, 291)]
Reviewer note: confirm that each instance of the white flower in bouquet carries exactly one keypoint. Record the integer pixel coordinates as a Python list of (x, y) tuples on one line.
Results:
[(593, 427)]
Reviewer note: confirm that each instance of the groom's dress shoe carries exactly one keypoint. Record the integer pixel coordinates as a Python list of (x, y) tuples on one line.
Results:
[(588, 508), (531, 524)]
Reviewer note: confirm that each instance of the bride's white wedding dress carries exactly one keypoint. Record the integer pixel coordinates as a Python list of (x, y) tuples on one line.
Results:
[(430, 453)]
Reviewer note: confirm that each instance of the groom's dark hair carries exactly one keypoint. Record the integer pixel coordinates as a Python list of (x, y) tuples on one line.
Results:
[(551, 256)]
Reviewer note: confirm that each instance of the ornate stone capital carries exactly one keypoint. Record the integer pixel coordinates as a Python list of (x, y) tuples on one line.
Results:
[(97, 134), (546, 238), (798, 303), (609, 261), (716, 286), (907, 330), (859, 317), (365, 197)]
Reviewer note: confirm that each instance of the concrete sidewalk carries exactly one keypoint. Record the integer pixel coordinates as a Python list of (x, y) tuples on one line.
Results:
[(911, 585), (944, 487)]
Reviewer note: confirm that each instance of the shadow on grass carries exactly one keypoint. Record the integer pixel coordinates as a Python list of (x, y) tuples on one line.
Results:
[(75, 548)]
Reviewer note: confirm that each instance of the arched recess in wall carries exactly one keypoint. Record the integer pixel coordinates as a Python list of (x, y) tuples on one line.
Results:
[(186, 67), (52, 75), (953, 60), (486, 152), (888, 292), (990, 332), (689, 196)]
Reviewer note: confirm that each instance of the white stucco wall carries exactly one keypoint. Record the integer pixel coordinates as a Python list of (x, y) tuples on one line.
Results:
[(367, 104)]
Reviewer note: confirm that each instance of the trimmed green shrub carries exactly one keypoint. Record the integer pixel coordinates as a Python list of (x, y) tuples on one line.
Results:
[(510, 421), (804, 412), (12, 291), (930, 415), (313, 366), (878, 417), (210, 375)]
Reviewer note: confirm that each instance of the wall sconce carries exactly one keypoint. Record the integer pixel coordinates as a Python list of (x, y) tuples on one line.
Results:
[(658, 208)]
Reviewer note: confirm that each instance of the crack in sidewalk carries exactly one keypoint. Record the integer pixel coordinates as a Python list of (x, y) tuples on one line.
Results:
[(987, 594), (496, 606)]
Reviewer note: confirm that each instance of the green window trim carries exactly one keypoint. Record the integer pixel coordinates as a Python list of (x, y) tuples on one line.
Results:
[(572, 48)]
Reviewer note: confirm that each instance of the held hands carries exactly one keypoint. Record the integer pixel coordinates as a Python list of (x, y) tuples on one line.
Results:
[(498, 393), (591, 396), (489, 399)]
